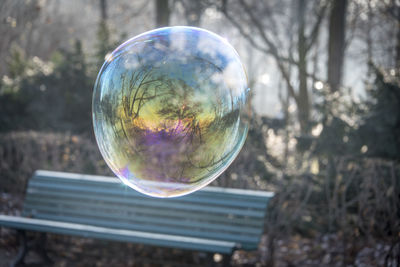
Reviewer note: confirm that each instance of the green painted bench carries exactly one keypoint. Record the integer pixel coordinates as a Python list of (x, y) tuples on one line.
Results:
[(212, 220)]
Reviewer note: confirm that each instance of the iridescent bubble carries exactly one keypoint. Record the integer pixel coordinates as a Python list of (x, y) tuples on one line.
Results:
[(170, 110)]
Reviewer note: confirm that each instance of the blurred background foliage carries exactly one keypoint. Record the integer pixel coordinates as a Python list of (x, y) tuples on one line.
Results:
[(327, 146)]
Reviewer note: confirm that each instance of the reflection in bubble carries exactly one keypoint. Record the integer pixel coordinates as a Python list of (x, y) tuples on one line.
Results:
[(170, 110)]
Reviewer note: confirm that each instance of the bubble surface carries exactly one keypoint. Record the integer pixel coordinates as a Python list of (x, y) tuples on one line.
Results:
[(170, 110)]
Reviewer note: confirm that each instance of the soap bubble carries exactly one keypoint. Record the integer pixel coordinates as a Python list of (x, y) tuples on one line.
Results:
[(170, 110)]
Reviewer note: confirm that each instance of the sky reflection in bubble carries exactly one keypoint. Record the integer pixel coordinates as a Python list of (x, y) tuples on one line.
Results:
[(170, 110)]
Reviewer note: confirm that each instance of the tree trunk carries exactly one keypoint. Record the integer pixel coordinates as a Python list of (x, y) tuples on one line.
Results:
[(103, 8), (303, 102), (336, 46), (103, 34), (397, 64), (369, 35), (193, 12), (162, 13)]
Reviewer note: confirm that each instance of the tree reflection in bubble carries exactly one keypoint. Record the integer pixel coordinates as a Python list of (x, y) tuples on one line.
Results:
[(170, 110)]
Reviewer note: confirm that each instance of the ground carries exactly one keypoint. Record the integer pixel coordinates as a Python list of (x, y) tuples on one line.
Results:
[(325, 250)]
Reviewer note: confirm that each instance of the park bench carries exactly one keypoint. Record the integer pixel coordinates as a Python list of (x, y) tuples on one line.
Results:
[(211, 220)]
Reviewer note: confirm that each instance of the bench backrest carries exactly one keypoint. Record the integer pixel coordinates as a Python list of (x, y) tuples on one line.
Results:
[(213, 213)]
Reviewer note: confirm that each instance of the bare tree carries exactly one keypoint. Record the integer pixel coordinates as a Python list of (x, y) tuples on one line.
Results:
[(16, 18), (267, 39), (103, 33), (392, 8), (162, 13), (193, 11), (103, 10), (336, 44)]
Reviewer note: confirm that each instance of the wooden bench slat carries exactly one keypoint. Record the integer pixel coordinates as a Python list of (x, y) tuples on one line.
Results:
[(240, 193), (228, 219), (148, 202), (197, 197), (125, 214), (153, 219), (245, 241), (117, 234)]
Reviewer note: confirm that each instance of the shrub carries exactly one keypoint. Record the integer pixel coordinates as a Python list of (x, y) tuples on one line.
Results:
[(21, 153)]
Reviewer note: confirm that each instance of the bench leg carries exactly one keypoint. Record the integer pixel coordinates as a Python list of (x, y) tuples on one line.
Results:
[(227, 260), (40, 248), (23, 249), (210, 258)]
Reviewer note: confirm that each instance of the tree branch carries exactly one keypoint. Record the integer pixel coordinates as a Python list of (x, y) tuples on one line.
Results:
[(314, 32), (252, 41), (272, 49)]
